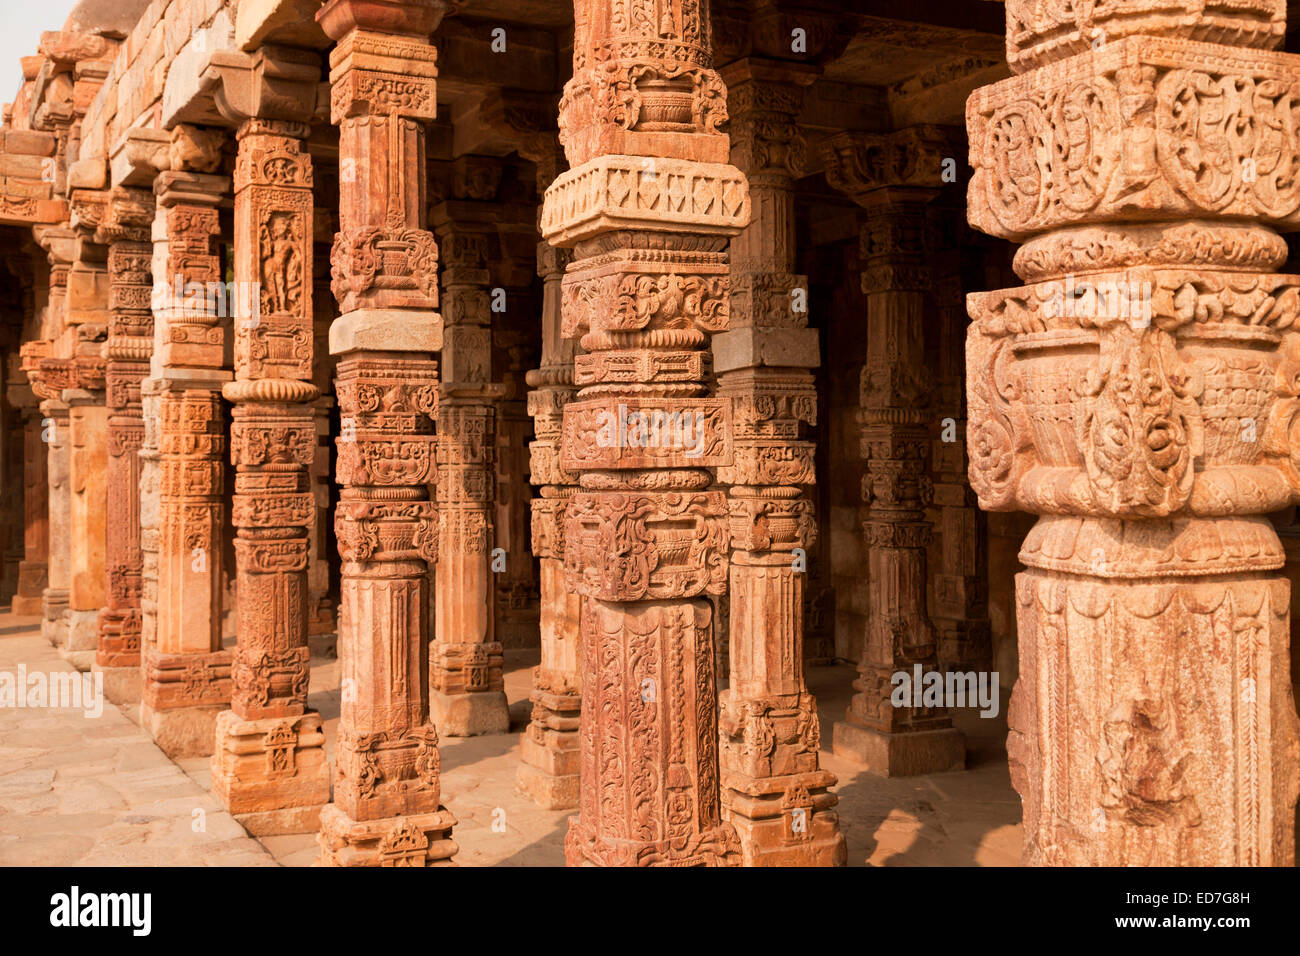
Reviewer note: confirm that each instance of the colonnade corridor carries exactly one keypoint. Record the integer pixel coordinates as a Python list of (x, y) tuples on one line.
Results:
[(651, 433)]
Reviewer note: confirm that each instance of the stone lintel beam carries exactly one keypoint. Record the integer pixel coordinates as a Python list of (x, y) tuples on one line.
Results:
[(766, 28), (506, 121), (272, 82), (139, 156)]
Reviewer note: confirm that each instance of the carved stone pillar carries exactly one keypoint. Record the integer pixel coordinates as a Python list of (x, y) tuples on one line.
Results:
[(648, 209), (773, 790), (894, 177), (130, 343), (386, 808), (150, 399), (33, 572), (548, 748), (320, 605), (187, 674), (11, 470), (50, 372), (85, 330), (48, 378), (467, 692), (87, 472), (1139, 394), (269, 765)]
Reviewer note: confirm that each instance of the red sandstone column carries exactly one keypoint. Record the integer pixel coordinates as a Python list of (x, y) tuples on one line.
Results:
[(46, 377), (268, 765), (1139, 393), (85, 330), (54, 372), (549, 757), (33, 572), (467, 692), (773, 790), (961, 572), (130, 343), (87, 470), (386, 808), (648, 209), (187, 674), (894, 177)]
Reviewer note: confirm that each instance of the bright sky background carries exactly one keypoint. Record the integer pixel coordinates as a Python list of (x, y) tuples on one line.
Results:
[(21, 24)]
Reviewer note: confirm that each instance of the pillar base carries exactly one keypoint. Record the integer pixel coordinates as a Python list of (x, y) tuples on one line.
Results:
[(901, 755), (323, 646), (420, 839), (548, 775), (122, 685), (33, 579), (323, 622), (289, 820), (716, 846), (271, 773), (786, 820), (83, 639), (54, 609), (469, 715), (26, 605), (182, 731)]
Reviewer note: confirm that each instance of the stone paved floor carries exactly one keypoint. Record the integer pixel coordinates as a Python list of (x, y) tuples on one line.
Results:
[(84, 791)]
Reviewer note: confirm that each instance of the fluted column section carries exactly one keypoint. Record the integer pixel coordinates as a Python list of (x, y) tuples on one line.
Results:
[(1139, 393), (773, 789), (648, 208), (387, 788)]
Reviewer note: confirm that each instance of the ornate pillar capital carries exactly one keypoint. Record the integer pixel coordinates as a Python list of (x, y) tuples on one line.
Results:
[(867, 167), (764, 98), (1040, 32), (644, 84)]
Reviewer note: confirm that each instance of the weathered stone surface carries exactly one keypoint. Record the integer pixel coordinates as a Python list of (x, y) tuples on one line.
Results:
[(648, 208), (1141, 415), (773, 790), (387, 808), (895, 387), (187, 674)]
